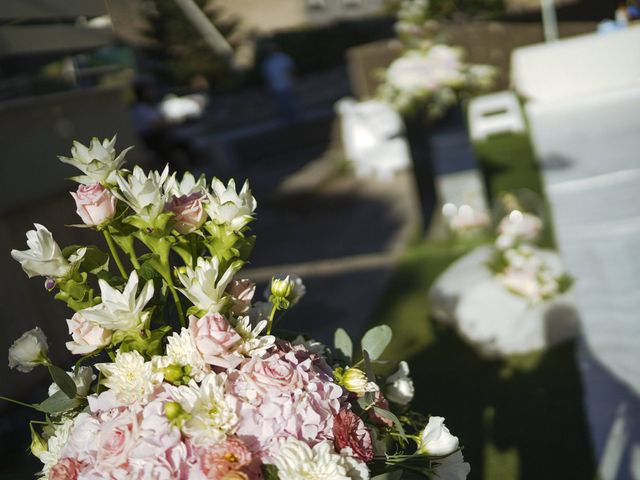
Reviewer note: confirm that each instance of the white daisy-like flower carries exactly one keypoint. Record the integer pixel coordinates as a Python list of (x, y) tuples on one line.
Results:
[(296, 460), (120, 310), (185, 187), (252, 343), (130, 377), (98, 161), (212, 411), (227, 207), (143, 193), (202, 285), (55, 446), (181, 351)]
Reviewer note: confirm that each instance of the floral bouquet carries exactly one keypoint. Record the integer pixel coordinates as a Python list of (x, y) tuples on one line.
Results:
[(464, 220), (180, 374)]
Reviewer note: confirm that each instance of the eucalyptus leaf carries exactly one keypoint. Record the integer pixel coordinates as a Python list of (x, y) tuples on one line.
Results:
[(395, 475), (94, 260), (343, 343), (58, 403), (63, 380), (389, 415), (376, 340)]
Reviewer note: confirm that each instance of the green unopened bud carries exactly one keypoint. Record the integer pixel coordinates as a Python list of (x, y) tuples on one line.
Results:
[(356, 381), (281, 290), (173, 410), (38, 444), (173, 374)]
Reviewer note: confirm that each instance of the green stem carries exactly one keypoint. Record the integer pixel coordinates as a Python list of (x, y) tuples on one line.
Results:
[(176, 300), (17, 402), (271, 317), (114, 253), (194, 252)]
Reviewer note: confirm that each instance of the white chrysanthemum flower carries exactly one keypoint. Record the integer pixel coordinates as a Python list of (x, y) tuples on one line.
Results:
[(129, 377), (252, 343), (227, 207), (296, 460), (212, 411), (202, 285), (436, 439), (120, 310), (28, 351), (181, 351), (98, 161), (82, 379), (143, 193), (44, 256), (399, 388), (55, 446), (185, 187)]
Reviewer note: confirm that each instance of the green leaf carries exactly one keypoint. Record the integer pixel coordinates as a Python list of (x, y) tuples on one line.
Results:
[(58, 403), (94, 260), (389, 415), (270, 472), (343, 343), (63, 380), (395, 475), (376, 340)]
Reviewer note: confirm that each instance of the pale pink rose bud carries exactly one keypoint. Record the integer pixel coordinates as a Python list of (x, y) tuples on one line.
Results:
[(241, 292), (189, 213), (94, 203), (87, 336), (216, 340), (65, 469)]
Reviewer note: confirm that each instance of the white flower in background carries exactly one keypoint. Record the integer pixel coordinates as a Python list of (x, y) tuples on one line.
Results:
[(120, 310), (451, 467), (482, 76), (98, 161), (185, 187), (314, 346), (252, 343), (181, 351), (55, 445), (293, 284), (518, 227), (418, 71), (436, 439), (399, 388), (202, 285), (28, 351), (296, 460), (82, 379), (129, 377), (212, 412), (44, 256), (143, 193), (227, 207), (260, 311)]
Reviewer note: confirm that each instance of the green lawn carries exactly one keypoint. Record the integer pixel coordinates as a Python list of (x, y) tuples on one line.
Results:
[(520, 418)]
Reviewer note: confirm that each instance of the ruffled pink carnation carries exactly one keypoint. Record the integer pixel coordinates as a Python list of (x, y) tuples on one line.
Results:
[(216, 340), (350, 432), (218, 460), (65, 469)]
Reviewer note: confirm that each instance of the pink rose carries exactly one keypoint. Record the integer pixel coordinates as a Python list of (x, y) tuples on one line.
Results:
[(242, 292), (216, 340), (87, 336), (349, 431), (116, 439), (189, 213), (94, 204), (272, 373), (65, 469), (222, 459)]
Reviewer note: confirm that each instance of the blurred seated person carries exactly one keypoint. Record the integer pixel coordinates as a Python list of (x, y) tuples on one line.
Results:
[(278, 70), (158, 135)]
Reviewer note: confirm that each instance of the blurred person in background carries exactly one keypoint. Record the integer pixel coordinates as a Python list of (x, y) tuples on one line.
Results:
[(278, 70)]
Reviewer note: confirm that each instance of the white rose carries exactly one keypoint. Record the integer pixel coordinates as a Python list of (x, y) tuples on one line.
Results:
[(44, 256), (399, 388), (451, 467), (436, 439), (82, 379), (29, 351)]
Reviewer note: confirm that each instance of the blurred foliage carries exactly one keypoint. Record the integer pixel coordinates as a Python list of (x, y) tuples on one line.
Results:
[(179, 53)]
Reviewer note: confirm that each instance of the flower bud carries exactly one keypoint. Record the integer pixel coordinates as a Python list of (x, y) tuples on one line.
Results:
[(173, 374), (38, 444), (29, 351), (436, 439), (173, 410), (94, 204), (355, 380), (281, 288)]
